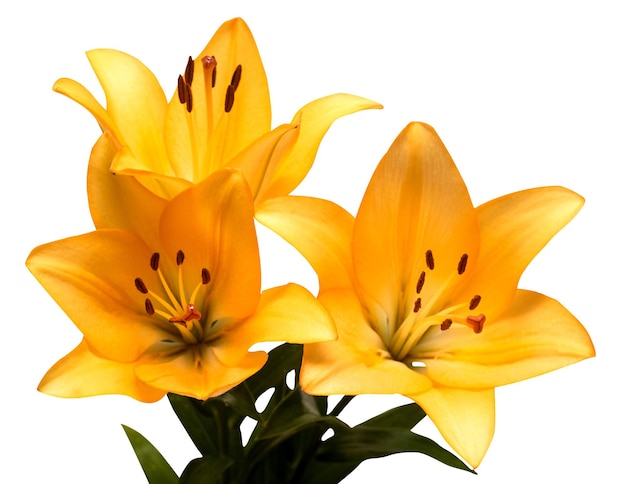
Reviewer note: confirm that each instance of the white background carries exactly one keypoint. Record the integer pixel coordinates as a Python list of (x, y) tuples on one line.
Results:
[(523, 94)]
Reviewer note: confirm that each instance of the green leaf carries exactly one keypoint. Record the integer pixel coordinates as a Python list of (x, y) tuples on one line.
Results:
[(154, 465), (206, 470), (405, 416)]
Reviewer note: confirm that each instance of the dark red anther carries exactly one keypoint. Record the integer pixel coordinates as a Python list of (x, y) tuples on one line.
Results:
[(154, 261), (445, 325), (230, 98), (430, 260), (141, 286), (149, 307), (420, 282), (189, 71), (417, 305), (182, 90), (474, 302), (462, 264), (206, 276), (234, 81), (180, 257)]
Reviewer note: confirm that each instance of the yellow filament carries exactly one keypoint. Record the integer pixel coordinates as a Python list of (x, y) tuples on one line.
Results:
[(179, 309)]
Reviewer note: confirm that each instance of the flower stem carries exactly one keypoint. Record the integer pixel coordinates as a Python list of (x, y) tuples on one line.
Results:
[(345, 400)]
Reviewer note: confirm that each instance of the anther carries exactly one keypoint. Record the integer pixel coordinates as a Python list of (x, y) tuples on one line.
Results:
[(154, 261), (182, 90), (474, 302), (420, 282), (230, 98), (477, 322), (462, 264), (445, 325), (180, 257), (189, 71), (234, 81), (189, 98), (430, 260), (149, 307), (206, 276), (417, 305), (141, 286)]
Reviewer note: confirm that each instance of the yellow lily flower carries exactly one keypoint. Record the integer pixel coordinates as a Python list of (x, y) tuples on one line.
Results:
[(220, 108), (423, 289), (170, 302)]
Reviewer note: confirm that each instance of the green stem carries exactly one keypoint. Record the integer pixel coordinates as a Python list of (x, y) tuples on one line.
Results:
[(345, 400)]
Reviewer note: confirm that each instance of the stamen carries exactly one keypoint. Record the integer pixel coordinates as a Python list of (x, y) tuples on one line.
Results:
[(189, 71), (141, 286), (154, 261), (189, 98), (474, 302), (206, 276), (230, 98), (149, 307), (214, 77), (420, 282), (477, 322), (445, 325), (462, 264), (430, 260), (180, 257), (417, 305), (182, 90), (234, 81)]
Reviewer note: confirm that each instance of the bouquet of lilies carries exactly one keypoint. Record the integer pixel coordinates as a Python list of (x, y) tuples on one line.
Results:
[(417, 293)]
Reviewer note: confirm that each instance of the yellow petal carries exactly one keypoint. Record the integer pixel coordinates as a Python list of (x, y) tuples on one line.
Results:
[(533, 336), (82, 374), (319, 229), (213, 224), (91, 277), (416, 201), (120, 201), (199, 376), (465, 418), (357, 362), (137, 106), (513, 229), (287, 313), (313, 121), (258, 157), (76, 91)]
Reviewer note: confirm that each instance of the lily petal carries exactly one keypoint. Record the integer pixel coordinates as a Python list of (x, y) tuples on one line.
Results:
[(81, 373), (357, 362), (199, 376), (465, 418), (103, 303), (416, 202), (320, 230), (120, 201), (513, 229), (137, 106), (535, 335), (287, 313), (218, 217), (313, 121), (79, 93)]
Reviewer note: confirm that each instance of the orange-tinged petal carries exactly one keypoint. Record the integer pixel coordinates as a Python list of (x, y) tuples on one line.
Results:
[(256, 159), (533, 336), (320, 230), (199, 375), (120, 201), (91, 277), (287, 313), (358, 361), (137, 106), (465, 418), (82, 373), (313, 121), (79, 93), (416, 202), (213, 224), (513, 229)]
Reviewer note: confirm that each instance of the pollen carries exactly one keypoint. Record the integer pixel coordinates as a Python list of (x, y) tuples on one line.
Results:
[(462, 264), (420, 282), (430, 260)]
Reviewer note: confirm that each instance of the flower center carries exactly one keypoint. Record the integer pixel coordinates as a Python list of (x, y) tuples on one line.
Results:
[(425, 315), (176, 308)]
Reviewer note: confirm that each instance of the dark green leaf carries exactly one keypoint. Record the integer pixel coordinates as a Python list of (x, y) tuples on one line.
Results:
[(406, 417), (206, 470), (154, 465)]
